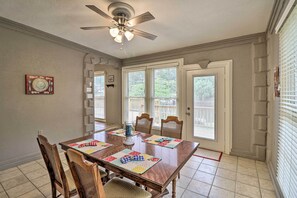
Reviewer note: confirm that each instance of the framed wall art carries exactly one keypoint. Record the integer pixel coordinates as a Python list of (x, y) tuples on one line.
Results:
[(39, 85), (110, 79)]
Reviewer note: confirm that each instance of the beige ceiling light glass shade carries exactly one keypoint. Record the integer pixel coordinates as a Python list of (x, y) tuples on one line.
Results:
[(114, 31), (119, 38), (129, 35)]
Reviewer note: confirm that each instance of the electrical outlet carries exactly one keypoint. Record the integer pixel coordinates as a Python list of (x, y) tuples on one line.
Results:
[(40, 132)]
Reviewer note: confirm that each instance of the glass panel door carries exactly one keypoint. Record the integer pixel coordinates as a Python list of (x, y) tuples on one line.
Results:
[(204, 106)]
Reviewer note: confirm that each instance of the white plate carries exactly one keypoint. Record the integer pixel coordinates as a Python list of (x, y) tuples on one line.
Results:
[(40, 84)]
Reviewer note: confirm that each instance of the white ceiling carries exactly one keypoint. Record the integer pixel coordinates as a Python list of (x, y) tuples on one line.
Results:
[(178, 23)]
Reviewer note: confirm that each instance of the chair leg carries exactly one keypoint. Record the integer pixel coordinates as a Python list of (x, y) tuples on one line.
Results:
[(54, 191)]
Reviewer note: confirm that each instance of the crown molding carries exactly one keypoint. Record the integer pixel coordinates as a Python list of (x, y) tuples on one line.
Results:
[(276, 13), (195, 49), (15, 26)]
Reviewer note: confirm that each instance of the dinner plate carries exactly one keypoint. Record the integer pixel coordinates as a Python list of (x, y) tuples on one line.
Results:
[(40, 84)]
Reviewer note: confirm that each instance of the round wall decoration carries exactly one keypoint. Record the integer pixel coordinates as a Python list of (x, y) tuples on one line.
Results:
[(40, 84)]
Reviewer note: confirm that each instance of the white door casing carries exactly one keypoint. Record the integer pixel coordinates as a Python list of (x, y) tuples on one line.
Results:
[(222, 72)]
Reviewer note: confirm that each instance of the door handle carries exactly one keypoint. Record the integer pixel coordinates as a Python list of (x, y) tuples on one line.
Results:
[(188, 113)]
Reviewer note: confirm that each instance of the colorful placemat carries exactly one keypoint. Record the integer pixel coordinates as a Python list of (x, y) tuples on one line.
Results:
[(90, 146), (163, 141), (121, 132), (139, 167)]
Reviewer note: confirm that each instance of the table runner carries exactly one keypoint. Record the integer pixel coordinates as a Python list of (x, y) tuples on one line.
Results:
[(139, 167), (121, 132), (163, 141), (85, 146)]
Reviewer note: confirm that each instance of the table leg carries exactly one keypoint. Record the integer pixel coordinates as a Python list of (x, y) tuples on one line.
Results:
[(174, 188)]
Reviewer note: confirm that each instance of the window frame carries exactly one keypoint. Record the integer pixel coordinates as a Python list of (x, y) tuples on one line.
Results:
[(100, 73), (149, 86), (125, 92)]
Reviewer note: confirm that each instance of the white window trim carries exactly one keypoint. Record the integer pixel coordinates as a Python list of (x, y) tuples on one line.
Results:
[(284, 16), (101, 73), (178, 63)]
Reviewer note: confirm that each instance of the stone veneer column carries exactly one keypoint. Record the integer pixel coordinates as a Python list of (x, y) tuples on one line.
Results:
[(90, 61), (259, 54)]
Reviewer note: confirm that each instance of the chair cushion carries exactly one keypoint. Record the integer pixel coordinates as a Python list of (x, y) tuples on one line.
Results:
[(117, 188)]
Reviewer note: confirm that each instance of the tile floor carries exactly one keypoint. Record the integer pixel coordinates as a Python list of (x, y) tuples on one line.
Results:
[(232, 177)]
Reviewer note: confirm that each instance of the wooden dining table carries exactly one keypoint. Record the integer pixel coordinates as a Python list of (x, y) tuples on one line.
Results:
[(159, 176)]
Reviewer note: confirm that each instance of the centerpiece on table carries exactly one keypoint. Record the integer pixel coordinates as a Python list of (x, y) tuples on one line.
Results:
[(128, 133)]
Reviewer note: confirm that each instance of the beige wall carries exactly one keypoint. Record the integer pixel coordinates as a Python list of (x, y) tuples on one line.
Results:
[(244, 52), (60, 116)]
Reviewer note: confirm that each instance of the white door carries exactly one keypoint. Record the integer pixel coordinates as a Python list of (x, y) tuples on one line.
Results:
[(205, 107)]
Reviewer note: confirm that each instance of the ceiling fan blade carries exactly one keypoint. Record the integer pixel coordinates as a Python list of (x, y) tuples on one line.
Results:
[(144, 34), (94, 28), (100, 12), (140, 19)]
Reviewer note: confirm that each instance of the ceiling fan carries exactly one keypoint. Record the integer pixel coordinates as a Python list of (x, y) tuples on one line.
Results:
[(123, 22)]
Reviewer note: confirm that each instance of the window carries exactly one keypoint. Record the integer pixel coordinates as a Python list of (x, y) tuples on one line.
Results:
[(152, 88), (136, 94), (99, 93), (164, 94), (287, 140)]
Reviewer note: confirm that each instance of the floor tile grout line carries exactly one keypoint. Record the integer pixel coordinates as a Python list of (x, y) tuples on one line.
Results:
[(191, 179), (208, 183), (31, 183), (248, 184), (4, 190), (235, 190), (259, 182), (13, 178), (213, 181)]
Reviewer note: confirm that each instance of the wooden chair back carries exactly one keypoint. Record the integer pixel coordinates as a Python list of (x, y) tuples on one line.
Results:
[(172, 127), (54, 166), (86, 175), (144, 123)]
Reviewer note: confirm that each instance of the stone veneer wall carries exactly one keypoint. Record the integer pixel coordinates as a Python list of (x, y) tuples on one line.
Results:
[(90, 61), (260, 98)]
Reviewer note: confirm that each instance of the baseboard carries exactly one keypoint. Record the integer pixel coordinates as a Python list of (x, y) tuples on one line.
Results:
[(19, 160), (244, 154), (272, 173)]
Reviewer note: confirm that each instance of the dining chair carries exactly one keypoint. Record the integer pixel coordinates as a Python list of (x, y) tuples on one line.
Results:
[(89, 185), (61, 180), (144, 123), (172, 127)]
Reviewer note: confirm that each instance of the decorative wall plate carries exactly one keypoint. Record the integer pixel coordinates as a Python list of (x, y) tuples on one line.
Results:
[(40, 84), (36, 85)]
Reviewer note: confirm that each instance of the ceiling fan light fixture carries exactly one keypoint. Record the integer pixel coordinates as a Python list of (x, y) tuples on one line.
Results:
[(129, 35), (119, 38), (114, 31)]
